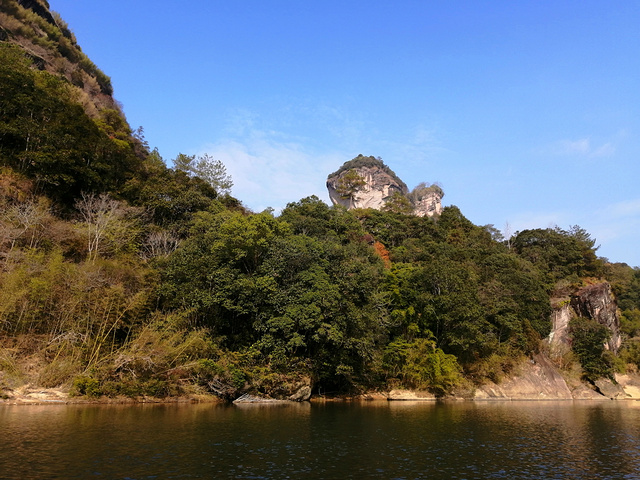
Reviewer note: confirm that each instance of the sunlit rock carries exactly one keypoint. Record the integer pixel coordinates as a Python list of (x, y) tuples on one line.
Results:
[(366, 182), (596, 302)]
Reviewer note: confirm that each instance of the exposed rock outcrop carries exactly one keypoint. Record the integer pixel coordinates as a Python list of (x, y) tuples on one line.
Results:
[(609, 389), (302, 394), (366, 182), (39, 7), (429, 205), (537, 379), (558, 339), (411, 395), (598, 303), (247, 398), (593, 301), (630, 384)]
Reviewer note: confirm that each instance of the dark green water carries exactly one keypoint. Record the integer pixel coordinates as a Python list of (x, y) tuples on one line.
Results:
[(393, 440)]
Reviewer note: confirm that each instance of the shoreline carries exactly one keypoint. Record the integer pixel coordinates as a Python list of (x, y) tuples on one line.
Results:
[(42, 397)]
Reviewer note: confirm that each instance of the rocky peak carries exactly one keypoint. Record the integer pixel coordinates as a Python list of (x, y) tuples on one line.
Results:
[(426, 200), (47, 40), (39, 7), (366, 182)]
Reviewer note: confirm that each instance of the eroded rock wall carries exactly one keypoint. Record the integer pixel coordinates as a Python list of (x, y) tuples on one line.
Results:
[(598, 303), (558, 340), (378, 187), (429, 205), (365, 182), (593, 301)]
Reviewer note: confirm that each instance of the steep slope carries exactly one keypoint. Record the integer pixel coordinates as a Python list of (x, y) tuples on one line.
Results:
[(59, 124), (51, 46)]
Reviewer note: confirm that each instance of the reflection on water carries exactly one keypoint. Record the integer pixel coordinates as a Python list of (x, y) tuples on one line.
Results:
[(394, 440)]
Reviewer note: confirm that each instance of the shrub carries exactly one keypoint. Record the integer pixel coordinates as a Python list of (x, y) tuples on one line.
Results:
[(588, 338), (85, 385)]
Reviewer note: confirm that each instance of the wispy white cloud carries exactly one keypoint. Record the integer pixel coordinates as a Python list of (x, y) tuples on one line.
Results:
[(617, 235), (274, 160), (277, 160), (628, 208), (605, 150), (583, 147), (570, 147), (270, 172), (617, 221), (530, 220)]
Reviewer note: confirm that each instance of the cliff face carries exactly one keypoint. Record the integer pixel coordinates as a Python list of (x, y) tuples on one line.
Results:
[(593, 301), (558, 339), (373, 191), (429, 205), (39, 7), (366, 182), (598, 303)]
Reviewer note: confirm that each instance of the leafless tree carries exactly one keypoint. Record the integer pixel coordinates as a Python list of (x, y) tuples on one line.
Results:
[(160, 244), (97, 212)]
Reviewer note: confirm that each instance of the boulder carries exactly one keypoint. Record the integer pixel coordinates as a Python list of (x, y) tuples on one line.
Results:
[(609, 389), (630, 383), (302, 394)]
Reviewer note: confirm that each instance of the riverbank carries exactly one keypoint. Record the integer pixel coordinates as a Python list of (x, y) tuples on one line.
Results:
[(536, 378), (630, 386), (28, 395)]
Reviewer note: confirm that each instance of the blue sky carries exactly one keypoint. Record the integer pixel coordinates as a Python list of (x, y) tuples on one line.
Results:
[(527, 113)]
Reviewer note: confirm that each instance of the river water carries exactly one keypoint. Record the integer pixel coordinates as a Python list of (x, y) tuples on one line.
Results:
[(390, 440)]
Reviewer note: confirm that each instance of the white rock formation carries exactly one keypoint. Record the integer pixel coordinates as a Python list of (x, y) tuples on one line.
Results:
[(378, 187), (558, 339), (593, 301), (429, 205), (366, 182)]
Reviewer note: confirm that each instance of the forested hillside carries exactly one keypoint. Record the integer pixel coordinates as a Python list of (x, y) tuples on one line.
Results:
[(122, 276)]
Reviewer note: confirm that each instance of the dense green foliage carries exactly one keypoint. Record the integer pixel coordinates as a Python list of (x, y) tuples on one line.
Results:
[(625, 282), (120, 276), (559, 253), (48, 137), (206, 168), (47, 33), (588, 344), (198, 292)]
